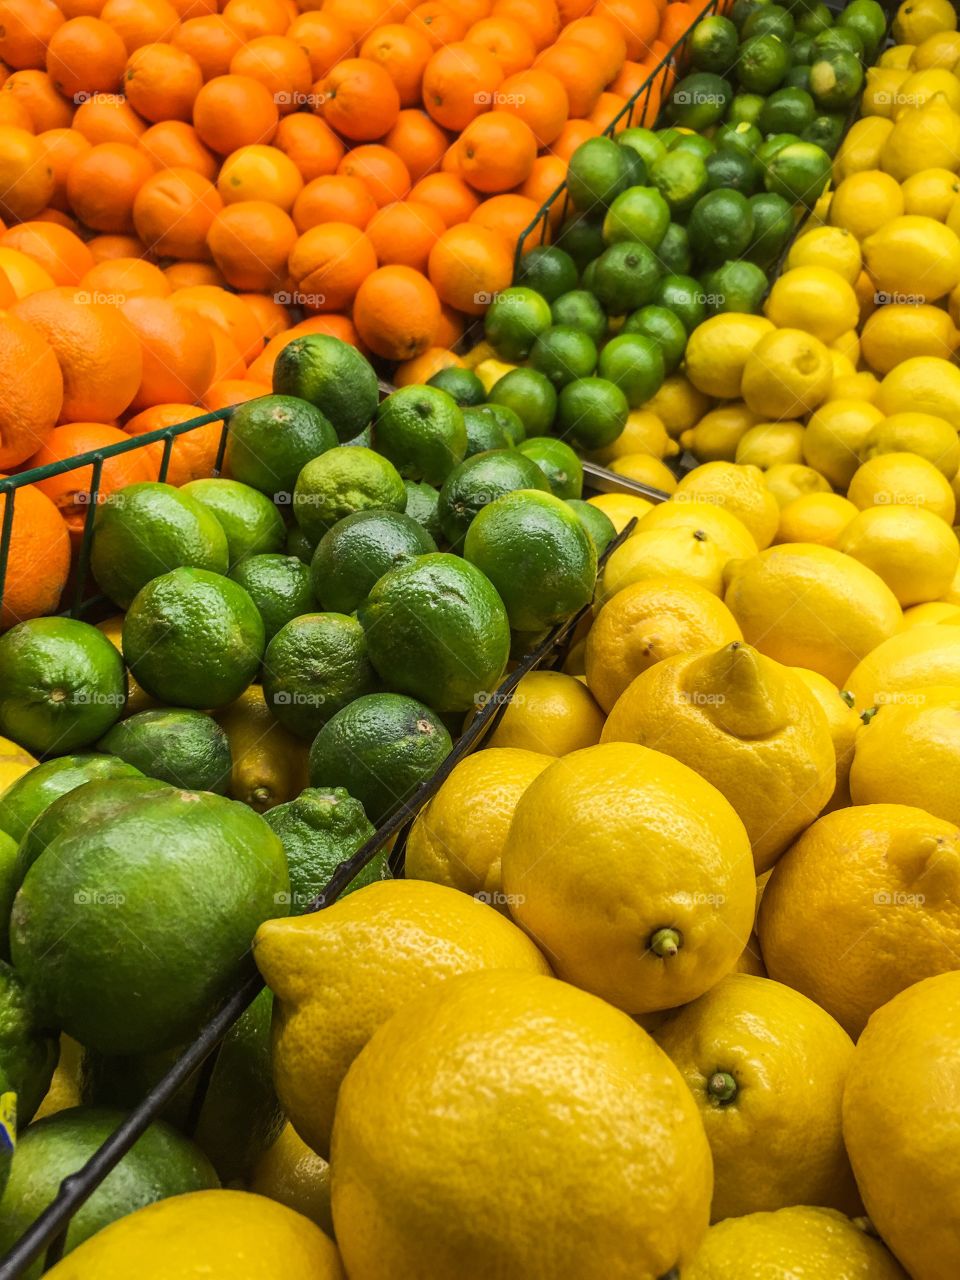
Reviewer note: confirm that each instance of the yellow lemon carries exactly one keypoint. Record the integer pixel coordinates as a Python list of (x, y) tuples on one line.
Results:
[(339, 974), (916, 20), (834, 436), (918, 656), (931, 193), (789, 372), (430, 1150), (729, 533), (921, 433), (922, 384), (900, 331), (550, 713), (952, 594), (866, 292), (66, 1088), (913, 259), (881, 95), (865, 201), (631, 823), (953, 218), (769, 443), (658, 553), (644, 433), (491, 371), (942, 49), (902, 479), (647, 469), (814, 299), (831, 247), (953, 302), (741, 491), (843, 366), (292, 1174), (902, 1139), (717, 352), (848, 344), (679, 404), (740, 1047), (856, 386), (936, 612), (14, 762), (620, 508), (883, 876), (270, 764), (717, 434), (898, 55), (645, 623), (926, 137), (137, 697), (746, 725), (913, 551), (843, 722), (790, 480), (811, 606), (860, 149), (815, 517), (928, 82)]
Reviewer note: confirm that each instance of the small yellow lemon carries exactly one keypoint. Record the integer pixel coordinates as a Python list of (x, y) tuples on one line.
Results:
[(491, 371), (827, 247), (843, 367), (922, 384), (881, 92), (717, 352), (658, 553), (865, 201), (14, 762), (916, 20), (789, 372), (848, 344), (913, 259), (550, 713), (929, 82), (647, 469), (931, 193), (729, 533), (834, 436), (790, 480), (843, 722), (717, 434), (926, 137), (913, 551), (621, 508), (921, 433), (644, 433), (815, 299), (739, 490), (815, 517), (679, 404), (769, 443), (952, 594), (937, 612), (292, 1174), (858, 386), (942, 49), (137, 697), (866, 292), (902, 330), (902, 479), (860, 149), (898, 55), (909, 660)]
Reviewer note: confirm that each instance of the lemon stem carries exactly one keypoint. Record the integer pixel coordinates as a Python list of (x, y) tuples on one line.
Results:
[(722, 1087), (666, 942)]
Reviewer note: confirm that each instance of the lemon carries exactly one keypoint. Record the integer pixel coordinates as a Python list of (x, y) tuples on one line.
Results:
[(14, 762), (644, 433), (929, 82), (338, 974), (621, 508), (815, 517), (936, 612), (866, 293), (748, 726), (860, 149), (902, 479), (953, 218), (898, 55), (645, 623), (912, 550), (818, 1244), (769, 443), (457, 839), (916, 657), (491, 371), (831, 247), (915, 20), (847, 345), (717, 352), (742, 1047), (881, 94), (952, 594), (646, 469), (551, 714), (679, 404), (921, 433), (834, 436), (843, 723), (942, 49), (740, 491), (914, 259), (717, 434), (790, 480), (658, 553), (814, 299), (597, 847), (864, 201), (901, 1133), (857, 386), (729, 533), (230, 1235), (436, 1175), (898, 332), (811, 606), (922, 384), (789, 372), (931, 192), (843, 366), (292, 1174), (923, 137), (953, 302)]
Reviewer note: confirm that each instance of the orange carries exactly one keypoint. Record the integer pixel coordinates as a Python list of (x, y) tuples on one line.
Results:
[(638, 20), (43, 104), (26, 176), (25, 30), (418, 141), (162, 82), (310, 143), (323, 38), (577, 70), (177, 350), (31, 390), (229, 391), (469, 264), (509, 215), (333, 198), (473, 10), (359, 99), (422, 367), (328, 264), (103, 184), (194, 453), (272, 317), (39, 557), (253, 18), (404, 233), (260, 173), (211, 41), (191, 8), (187, 275), (439, 22), (448, 194), (459, 84), (113, 280), (140, 22), (383, 174), (396, 312), (85, 55), (496, 152), (610, 107), (14, 114), (334, 326), (570, 10), (451, 327), (573, 133), (108, 117), (173, 144), (57, 250), (250, 243), (403, 51), (538, 99), (173, 213), (605, 40), (22, 275), (631, 78), (234, 111), (675, 22), (281, 65), (81, 8), (548, 173), (228, 364), (226, 312), (108, 248), (509, 42), (540, 18), (359, 16)]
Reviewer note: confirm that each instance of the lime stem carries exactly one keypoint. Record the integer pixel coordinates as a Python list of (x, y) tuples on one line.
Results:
[(666, 942), (722, 1087)]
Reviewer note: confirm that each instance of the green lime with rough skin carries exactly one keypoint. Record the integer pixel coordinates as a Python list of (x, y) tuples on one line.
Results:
[(712, 45), (799, 172), (564, 354), (769, 19), (272, 438), (185, 748), (826, 132), (868, 20), (193, 639), (745, 109), (736, 286), (734, 168), (581, 239), (318, 830), (313, 666), (764, 61), (463, 384), (532, 397), (674, 252), (598, 171), (627, 275), (351, 478), (548, 270), (813, 18), (596, 522), (683, 295), (481, 480), (647, 144), (250, 520), (787, 110), (28, 1050), (773, 223), (681, 178), (836, 79), (507, 419), (634, 362), (379, 749), (747, 137), (513, 322), (279, 585), (333, 376), (422, 500), (437, 630), (640, 215), (663, 327), (579, 309), (421, 431), (558, 462), (699, 100), (592, 412), (33, 792), (358, 550), (720, 226), (299, 545), (484, 432)]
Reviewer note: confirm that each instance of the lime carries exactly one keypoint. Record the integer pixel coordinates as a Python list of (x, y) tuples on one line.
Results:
[(279, 585), (720, 226), (484, 431), (763, 63), (634, 362), (663, 327), (692, 144), (564, 354), (62, 685), (745, 108), (769, 19), (333, 376), (627, 276), (869, 21), (597, 173), (734, 169), (683, 296), (558, 462), (463, 384), (421, 431), (31, 794), (741, 10), (549, 269), (272, 438), (773, 223), (358, 550), (813, 18), (598, 525), (185, 748), (770, 146), (681, 178), (787, 111), (799, 172), (673, 251), (28, 1052), (537, 554), (8, 888), (313, 666), (480, 480), (839, 39), (437, 630), (318, 830), (421, 506), (798, 77), (803, 51), (592, 412), (193, 638), (581, 239), (735, 286), (579, 309), (588, 279), (640, 215), (249, 519), (379, 749), (699, 100), (150, 528), (712, 45), (644, 142), (513, 322), (531, 396), (743, 135), (836, 78), (299, 545), (826, 132), (363, 438), (344, 480)]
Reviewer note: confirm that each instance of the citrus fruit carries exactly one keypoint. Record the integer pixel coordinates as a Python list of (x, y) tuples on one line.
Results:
[(29, 1052), (734, 286), (531, 395), (658, 553), (185, 748), (903, 479), (463, 384), (663, 327), (681, 178), (548, 270), (699, 100), (718, 350), (625, 276), (313, 666), (421, 431), (740, 491), (771, 444), (720, 226), (914, 256), (558, 462), (333, 377), (248, 517), (593, 411), (271, 440), (646, 470), (639, 215), (597, 173), (563, 354), (342, 481), (762, 63), (788, 480), (269, 764), (773, 223), (599, 527), (279, 586), (681, 295), (551, 713), (25, 799), (358, 550), (815, 299), (910, 548), (900, 331), (713, 45), (486, 429), (922, 384), (834, 436), (930, 437), (422, 502), (480, 480), (579, 309), (815, 517), (514, 320)]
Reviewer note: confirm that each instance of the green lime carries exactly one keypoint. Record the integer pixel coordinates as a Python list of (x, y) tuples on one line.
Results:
[(674, 252), (358, 550), (773, 223), (868, 20), (644, 143), (313, 666), (514, 320), (720, 226), (634, 362), (836, 79), (636, 167), (769, 19), (91, 929), (691, 144), (681, 178), (422, 506), (839, 39), (682, 295), (564, 354), (597, 173), (627, 277), (279, 585), (272, 438), (549, 269), (437, 630), (579, 309), (589, 277), (28, 1051), (699, 100), (735, 286), (581, 238), (745, 108), (639, 215), (770, 146), (463, 384), (596, 522), (803, 51), (33, 792), (734, 169), (363, 439), (480, 480), (62, 685), (185, 748), (787, 111), (147, 529), (333, 376), (559, 464), (531, 396), (747, 137), (763, 63), (421, 431), (592, 412), (826, 132), (299, 545), (798, 77), (344, 480), (712, 45), (537, 554), (193, 638), (814, 18), (665, 328), (249, 519), (9, 884), (484, 432), (379, 749), (799, 172), (742, 9)]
